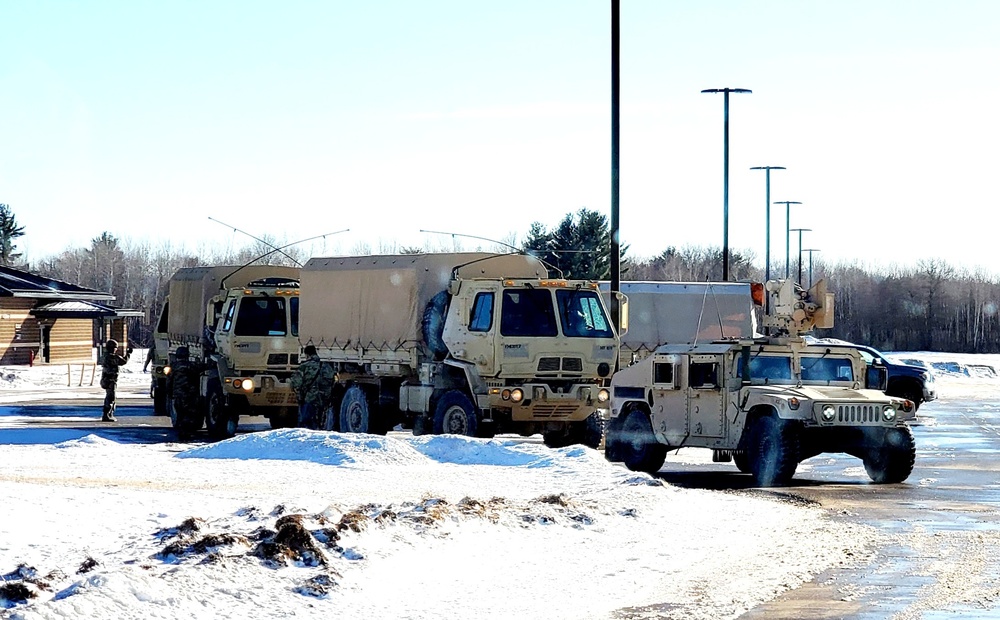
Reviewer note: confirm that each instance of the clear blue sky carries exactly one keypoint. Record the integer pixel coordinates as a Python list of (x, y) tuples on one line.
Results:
[(297, 118)]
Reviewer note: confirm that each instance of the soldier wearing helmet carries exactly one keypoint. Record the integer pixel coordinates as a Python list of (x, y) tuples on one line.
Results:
[(109, 377)]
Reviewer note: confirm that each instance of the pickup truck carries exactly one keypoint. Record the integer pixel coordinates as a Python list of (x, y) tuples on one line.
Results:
[(904, 380)]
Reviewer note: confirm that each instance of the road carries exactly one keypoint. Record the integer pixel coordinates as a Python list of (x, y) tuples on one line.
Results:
[(942, 559)]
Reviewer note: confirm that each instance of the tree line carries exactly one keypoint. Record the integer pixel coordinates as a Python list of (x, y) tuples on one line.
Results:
[(931, 306)]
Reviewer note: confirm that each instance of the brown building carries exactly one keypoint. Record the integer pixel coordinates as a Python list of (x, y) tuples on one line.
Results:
[(49, 321)]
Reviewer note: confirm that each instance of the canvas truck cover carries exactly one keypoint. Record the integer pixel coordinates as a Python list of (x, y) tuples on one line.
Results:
[(685, 312), (192, 287), (378, 302)]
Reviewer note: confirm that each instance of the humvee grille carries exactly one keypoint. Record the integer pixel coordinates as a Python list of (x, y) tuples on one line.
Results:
[(858, 413)]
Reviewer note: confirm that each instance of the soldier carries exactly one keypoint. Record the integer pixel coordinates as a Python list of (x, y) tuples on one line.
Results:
[(184, 377), (109, 377), (312, 382)]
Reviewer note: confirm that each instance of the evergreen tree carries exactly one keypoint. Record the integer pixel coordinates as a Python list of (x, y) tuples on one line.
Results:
[(9, 230)]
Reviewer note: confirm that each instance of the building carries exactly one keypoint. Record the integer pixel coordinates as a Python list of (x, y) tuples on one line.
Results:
[(49, 321)]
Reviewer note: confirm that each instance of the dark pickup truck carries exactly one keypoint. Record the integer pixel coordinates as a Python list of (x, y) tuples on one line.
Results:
[(904, 381)]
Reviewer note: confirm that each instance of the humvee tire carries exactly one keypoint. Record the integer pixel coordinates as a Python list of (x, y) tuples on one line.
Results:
[(773, 451), (637, 447), (893, 461)]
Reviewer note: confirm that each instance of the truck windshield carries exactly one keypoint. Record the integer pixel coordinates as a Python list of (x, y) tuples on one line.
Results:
[(826, 369), (582, 315), (767, 368), (527, 312), (261, 316)]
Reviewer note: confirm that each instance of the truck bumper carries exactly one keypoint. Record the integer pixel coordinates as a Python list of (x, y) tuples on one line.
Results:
[(267, 391), (539, 403)]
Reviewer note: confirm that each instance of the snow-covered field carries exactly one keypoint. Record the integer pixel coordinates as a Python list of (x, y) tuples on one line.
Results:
[(296, 522)]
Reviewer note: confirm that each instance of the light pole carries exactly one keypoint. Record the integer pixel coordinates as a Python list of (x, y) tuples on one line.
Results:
[(767, 219), (810, 250), (788, 222), (800, 231), (725, 174)]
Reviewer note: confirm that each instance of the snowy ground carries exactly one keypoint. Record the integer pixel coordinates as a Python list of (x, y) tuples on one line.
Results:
[(279, 523)]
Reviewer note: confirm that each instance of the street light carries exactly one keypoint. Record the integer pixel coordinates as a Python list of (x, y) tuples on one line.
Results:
[(767, 224), (725, 174), (788, 223), (800, 231), (810, 250)]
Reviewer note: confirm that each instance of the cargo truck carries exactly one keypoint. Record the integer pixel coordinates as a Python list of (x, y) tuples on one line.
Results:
[(465, 343)]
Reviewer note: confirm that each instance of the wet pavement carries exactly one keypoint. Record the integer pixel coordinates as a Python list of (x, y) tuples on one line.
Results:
[(940, 554)]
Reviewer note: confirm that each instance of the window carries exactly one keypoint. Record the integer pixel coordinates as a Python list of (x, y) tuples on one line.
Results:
[(663, 373), (703, 375), (230, 311), (582, 315), (261, 316), (482, 313), (294, 307), (527, 312)]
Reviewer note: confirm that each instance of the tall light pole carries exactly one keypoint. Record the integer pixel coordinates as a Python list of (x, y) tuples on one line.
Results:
[(615, 257), (800, 231), (725, 174), (788, 223), (767, 219), (810, 250)]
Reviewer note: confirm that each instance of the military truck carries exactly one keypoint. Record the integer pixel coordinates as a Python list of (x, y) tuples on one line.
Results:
[(766, 402), (465, 343), (240, 325)]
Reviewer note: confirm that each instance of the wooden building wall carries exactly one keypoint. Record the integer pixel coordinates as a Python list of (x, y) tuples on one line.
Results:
[(71, 340), (19, 333)]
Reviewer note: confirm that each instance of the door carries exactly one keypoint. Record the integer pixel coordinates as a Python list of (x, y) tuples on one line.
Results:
[(705, 396)]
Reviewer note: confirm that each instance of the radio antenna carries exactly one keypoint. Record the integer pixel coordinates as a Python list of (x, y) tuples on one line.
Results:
[(266, 254)]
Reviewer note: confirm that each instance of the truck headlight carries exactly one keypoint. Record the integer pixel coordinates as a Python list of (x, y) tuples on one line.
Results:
[(888, 413), (603, 395), (243, 384), (166, 370), (517, 395), (829, 412)]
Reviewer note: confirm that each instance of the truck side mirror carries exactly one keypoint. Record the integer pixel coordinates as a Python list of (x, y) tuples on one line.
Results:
[(622, 313), (876, 378)]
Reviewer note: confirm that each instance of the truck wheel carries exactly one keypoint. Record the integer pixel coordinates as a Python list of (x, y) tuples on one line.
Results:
[(742, 461), (220, 420), (454, 414), (160, 398), (355, 412), (637, 446), (184, 422), (773, 451), (893, 461)]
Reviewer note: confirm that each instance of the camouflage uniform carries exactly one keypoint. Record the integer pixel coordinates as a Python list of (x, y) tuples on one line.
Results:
[(109, 377), (312, 382)]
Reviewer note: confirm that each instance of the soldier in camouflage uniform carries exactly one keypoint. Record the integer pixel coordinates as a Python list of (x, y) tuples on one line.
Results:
[(313, 383), (109, 377), (185, 415)]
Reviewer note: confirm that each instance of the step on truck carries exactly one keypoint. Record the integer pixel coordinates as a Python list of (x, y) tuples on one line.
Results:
[(462, 343), (240, 327), (764, 402)]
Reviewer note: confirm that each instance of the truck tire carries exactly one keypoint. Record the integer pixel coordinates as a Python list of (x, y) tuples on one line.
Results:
[(636, 445), (220, 420), (454, 414), (185, 423), (742, 461), (355, 411), (589, 433), (893, 461), (432, 325), (773, 451)]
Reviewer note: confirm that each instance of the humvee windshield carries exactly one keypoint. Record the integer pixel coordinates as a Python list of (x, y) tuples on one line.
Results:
[(826, 369), (582, 315), (767, 368)]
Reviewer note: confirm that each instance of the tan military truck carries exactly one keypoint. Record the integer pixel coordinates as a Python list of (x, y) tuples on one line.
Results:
[(240, 325), (464, 343), (765, 402)]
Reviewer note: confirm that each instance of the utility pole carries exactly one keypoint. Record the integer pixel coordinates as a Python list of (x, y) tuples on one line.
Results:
[(767, 217), (800, 231), (725, 174), (788, 223), (615, 233)]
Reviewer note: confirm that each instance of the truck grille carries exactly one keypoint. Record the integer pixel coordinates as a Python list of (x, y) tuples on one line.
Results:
[(859, 413), (553, 411), (554, 364)]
